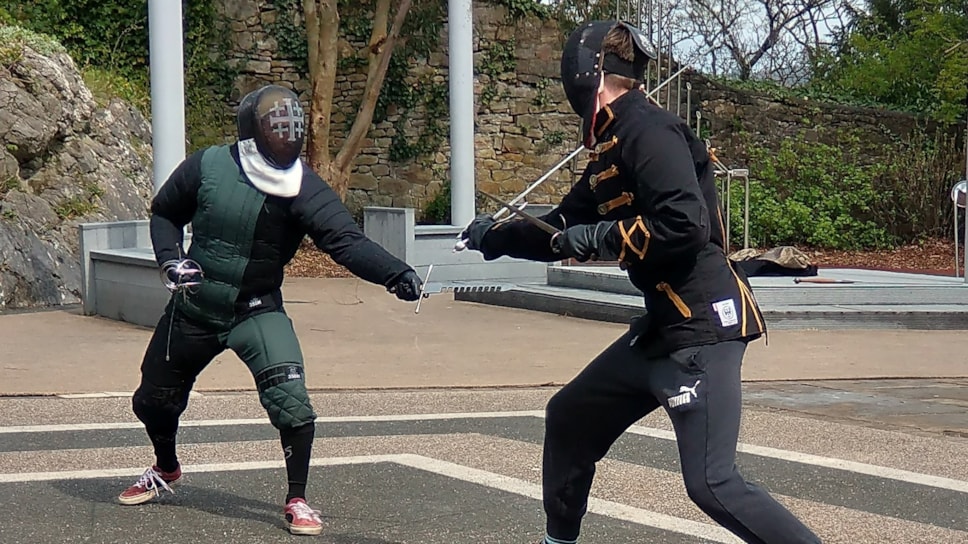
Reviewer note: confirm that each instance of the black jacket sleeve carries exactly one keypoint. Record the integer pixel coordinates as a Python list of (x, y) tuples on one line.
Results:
[(333, 230), (173, 208), (672, 220), (519, 239)]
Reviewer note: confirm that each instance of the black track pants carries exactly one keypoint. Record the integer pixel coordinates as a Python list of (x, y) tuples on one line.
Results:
[(700, 389)]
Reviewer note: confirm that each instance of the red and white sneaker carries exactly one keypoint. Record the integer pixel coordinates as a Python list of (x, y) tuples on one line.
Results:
[(147, 486), (301, 519)]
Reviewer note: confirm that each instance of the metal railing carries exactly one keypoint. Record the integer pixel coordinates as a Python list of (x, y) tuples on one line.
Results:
[(666, 74)]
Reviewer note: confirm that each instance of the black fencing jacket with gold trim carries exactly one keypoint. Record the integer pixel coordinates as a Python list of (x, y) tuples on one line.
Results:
[(653, 178)]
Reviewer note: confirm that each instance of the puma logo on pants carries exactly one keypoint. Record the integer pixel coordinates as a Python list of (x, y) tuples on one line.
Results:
[(685, 396)]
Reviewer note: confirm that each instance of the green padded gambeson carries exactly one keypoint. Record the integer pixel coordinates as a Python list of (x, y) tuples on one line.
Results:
[(222, 233)]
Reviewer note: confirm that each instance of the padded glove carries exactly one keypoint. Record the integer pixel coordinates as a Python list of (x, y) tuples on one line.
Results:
[(584, 242), (474, 233)]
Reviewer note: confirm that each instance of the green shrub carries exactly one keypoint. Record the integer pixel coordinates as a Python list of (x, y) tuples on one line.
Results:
[(106, 85), (813, 194), (109, 43), (13, 39)]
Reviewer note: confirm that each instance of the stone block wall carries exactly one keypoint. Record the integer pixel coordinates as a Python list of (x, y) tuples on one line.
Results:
[(524, 124)]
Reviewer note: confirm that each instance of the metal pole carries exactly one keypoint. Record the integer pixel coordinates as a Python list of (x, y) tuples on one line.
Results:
[(746, 213), (954, 205), (669, 64), (965, 238), (688, 100), (679, 96), (461, 76), (965, 267), (166, 58)]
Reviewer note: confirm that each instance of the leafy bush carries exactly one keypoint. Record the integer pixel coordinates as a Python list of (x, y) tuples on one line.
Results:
[(812, 194), (13, 39), (109, 43), (106, 85)]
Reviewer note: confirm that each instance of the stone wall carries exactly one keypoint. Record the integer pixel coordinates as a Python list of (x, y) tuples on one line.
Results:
[(734, 119), (524, 125)]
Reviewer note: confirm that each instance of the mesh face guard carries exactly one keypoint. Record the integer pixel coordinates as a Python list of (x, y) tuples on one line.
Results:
[(273, 117)]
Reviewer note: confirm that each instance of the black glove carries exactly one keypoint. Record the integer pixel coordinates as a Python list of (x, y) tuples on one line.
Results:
[(474, 233), (406, 286), (584, 242)]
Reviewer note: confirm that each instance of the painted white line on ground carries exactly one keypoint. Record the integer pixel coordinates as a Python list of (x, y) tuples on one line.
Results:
[(187, 469), (444, 468), (110, 394), (785, 455), (827, 462), (597, 506), (265, 421)]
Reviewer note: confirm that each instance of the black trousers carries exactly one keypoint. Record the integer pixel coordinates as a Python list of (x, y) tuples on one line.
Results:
[(700, 389), (180, 349)]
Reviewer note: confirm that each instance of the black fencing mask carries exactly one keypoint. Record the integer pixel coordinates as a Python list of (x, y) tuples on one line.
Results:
[(272, 128), (583, 64)]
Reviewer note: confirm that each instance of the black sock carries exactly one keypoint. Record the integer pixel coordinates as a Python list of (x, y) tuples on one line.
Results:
[(297, 445), (165, 457)]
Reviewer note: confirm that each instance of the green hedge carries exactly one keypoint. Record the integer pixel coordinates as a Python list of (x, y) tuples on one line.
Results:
[(812, 194)]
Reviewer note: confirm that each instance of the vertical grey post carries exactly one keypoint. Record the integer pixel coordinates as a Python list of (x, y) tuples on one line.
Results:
[(460, 15), (167, 87), (964, 268)]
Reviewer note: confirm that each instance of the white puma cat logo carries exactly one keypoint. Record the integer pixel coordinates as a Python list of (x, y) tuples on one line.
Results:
[(683, 389), (685, 396)]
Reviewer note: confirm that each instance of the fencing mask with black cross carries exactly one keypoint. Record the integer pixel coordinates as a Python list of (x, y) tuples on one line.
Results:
[(272, 128)]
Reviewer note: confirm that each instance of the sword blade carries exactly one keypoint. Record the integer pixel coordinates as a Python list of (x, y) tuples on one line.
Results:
[(438, 287), (523, 215)]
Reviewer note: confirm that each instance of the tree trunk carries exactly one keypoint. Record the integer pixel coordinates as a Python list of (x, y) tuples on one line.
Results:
[(337, 178), (322, 33), (376, 73)]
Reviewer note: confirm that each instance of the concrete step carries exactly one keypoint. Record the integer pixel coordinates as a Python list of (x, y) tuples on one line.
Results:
[(869, 287), (620, 308)]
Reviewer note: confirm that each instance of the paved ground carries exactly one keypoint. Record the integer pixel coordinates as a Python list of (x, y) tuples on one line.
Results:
[(863, 435), (355, 335), (436, 467)]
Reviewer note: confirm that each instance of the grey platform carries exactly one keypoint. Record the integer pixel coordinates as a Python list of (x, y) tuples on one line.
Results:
[(120, 278), (876, 300)]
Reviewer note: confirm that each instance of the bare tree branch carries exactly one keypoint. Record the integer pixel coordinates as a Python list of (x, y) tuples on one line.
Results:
[(381, 47)]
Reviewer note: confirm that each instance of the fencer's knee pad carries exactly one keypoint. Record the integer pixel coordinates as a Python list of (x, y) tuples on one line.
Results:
[(282, 391), (159, 407)]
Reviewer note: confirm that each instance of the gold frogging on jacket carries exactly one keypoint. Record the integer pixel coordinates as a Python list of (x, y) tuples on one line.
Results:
[(621, 200), (628, 244), (595, 179), (603, 147)]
